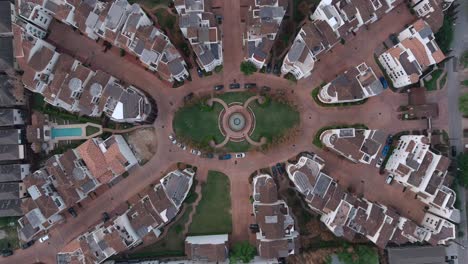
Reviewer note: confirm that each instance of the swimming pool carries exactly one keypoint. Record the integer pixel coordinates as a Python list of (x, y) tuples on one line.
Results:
[(66, 132)]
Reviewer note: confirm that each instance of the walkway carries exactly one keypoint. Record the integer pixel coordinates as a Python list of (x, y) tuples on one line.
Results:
[(126, 130)]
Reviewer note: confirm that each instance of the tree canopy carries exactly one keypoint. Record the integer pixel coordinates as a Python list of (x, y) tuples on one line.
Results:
[(242, 252), (463, 104), (462, 161), (248, 67)]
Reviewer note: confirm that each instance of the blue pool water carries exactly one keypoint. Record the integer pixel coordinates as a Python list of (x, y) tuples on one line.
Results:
[(66, 132)]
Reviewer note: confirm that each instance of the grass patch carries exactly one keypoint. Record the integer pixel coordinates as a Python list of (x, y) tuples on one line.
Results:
[(273, 120), (151, 3), (90, 130), (317, 142), (465, 83), (303, 216), (360, 254), (8, 225), (444, 36), (242, 146), (236, 97), (165, 19), (431, 85), (213, 213)]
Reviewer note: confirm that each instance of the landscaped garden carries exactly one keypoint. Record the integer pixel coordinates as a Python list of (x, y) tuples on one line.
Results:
[(213, 213), (197, 123), (431, 84)]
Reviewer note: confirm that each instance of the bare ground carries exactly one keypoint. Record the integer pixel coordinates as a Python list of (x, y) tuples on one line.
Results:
[(143, 143)]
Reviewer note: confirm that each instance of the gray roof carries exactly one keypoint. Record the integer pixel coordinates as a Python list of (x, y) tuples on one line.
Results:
[(12, 172), (189, 20), (6, 52), (176, 67), (215, 47), (376, 87), (206, 57), (417, 255), (10, 152), (176, 186), (116, 12), (10, 136), (425, 32), (268, 13), (322, 185), (296, 50), (7, 117), (5, 17), (7, 89)]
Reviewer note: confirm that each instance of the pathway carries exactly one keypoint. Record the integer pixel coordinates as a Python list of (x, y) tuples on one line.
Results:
[(126, 130)]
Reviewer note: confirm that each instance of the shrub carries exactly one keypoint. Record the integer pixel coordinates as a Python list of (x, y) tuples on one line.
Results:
[(248, 68), (242, 252)]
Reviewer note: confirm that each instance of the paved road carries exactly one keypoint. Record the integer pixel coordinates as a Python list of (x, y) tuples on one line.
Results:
[(459, 45), (379, 113)]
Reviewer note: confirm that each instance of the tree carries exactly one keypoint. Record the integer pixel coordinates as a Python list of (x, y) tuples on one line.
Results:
[(462, 173), (463, 104), (248, 67), (242, 252)]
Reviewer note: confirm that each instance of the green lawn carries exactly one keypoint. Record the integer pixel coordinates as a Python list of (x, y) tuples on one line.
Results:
[(273, 120), (465, 83), (151, 3), (198, 123), (464, 59), (8, 225), (90, 130), (165, 19), (213, 213), (432, 84)]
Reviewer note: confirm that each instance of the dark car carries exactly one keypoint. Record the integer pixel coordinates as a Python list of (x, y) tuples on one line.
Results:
[(105, 217), (383, 82), (268, 68), (72, 211), (28, 244), (254, 227), (219, 87), (454, 151), (389, 140), (274, 171), (385, 150), (250, 85), (266, 89), (234, 86), (225, 157), (7, 252), (209, 155), (200, 72), (276, 69), (280, 168)]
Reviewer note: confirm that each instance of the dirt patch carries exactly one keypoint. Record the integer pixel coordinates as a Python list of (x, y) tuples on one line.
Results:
[(312, 257), (143, 143)]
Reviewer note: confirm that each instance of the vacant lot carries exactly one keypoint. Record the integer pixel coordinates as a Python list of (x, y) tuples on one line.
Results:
[(143, 143), (213, 213)]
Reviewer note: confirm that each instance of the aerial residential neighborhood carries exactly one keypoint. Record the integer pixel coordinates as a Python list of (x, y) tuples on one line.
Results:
[(226, 131)]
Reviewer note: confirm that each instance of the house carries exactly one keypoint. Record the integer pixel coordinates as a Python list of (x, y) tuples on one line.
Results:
[(10, 203), (330, 22), (418, 107), (61, 183), (262, 22), (107, 159), (432, 11), (347, 216), (13, 172), (357, 145), (38, 132), (415, 166), (207, 249), (11, 117), (277, 237), (198, 25), (353, 85), (148, 211), (11, 90), (38, 12), (7, 15), (11, 145), (405, 62), (419, 255)]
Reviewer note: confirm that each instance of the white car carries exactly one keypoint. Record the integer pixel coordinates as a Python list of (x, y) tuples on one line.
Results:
[(240, 155), (379, 163), (44, 238), (389, 179), (195, 152), (172, 139)]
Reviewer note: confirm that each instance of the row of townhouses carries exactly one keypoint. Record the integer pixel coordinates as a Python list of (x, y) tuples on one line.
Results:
[(348, 216), (69, 178), (122, 24), (148, 212), (262, 22), (199, 26), (13, 165)]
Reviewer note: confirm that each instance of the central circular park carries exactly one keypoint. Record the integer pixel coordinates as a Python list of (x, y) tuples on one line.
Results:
[(235, 121)]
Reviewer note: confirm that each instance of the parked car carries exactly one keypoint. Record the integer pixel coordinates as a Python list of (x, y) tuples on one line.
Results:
[(28, 244), (195, 152), (172, 139), (384, 82), (454, 151), (389, 140), (379, 162), (266, 89), (219, 87), (209, 155), (385, 150), (44, 238), (7, 252), (280, 168), (225, 157), (200, 72), (389, 179), (72, 211), (105, 217), (234, 86), (182, 146), (268, 68), (250, 85), (274, 171), (276, 69), (240, 155)]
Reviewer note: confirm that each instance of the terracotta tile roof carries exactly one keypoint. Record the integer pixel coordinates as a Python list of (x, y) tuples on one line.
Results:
[(95, 161), (41, 58), (418, 50)]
